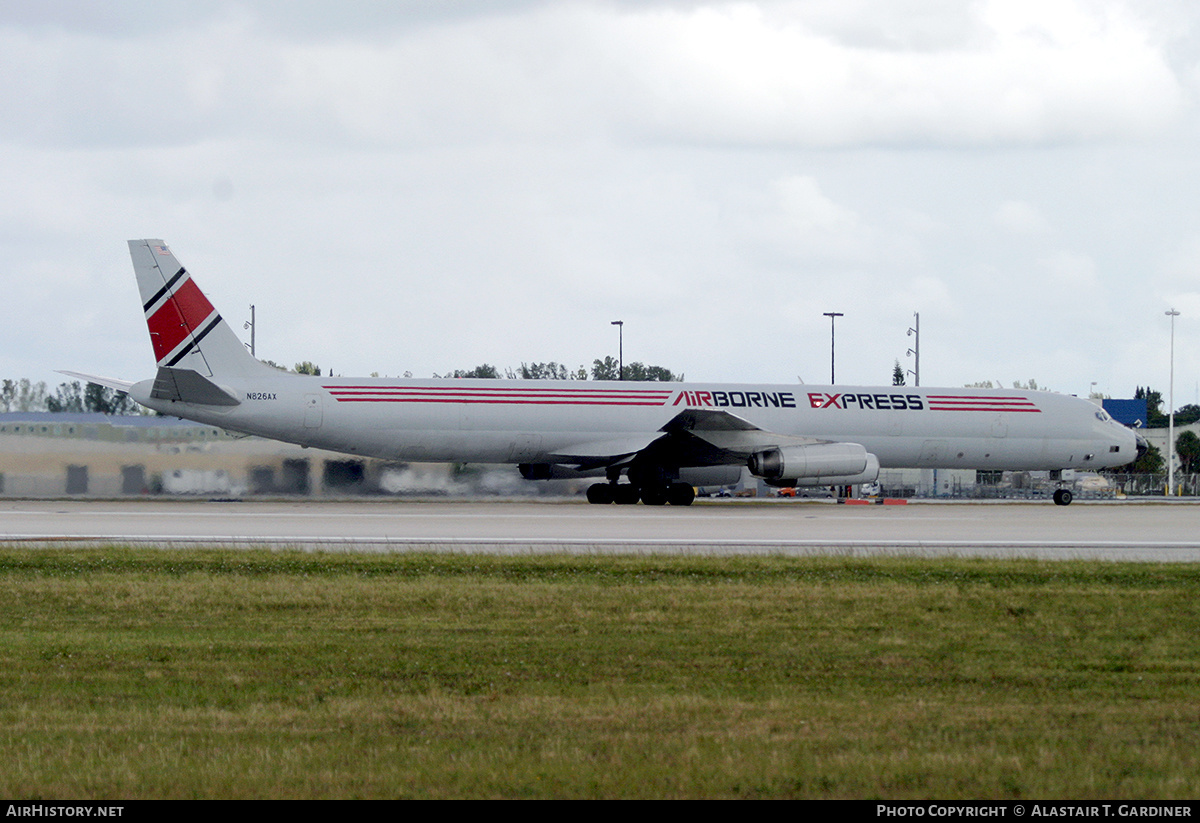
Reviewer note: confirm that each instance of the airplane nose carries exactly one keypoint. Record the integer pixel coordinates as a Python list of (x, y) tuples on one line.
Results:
[(1143, 445)]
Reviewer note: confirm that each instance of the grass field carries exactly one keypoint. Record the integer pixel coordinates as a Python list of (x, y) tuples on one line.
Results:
[(128, 673)]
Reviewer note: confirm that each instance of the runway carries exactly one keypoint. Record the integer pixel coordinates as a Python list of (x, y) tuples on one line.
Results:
[(1159, 532)]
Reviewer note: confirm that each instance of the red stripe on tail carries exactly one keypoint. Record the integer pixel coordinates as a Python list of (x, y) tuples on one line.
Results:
[(180, 315)]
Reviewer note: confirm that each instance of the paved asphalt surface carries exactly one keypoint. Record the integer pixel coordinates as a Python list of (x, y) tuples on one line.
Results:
[(1113, 530)]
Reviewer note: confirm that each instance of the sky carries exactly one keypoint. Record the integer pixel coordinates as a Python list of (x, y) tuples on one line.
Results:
[(421, 187)]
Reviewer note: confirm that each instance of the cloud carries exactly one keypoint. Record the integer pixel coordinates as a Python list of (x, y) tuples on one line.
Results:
[(994, 73), (1016, 73), (1017, 217), (809, 225), (425, 187)]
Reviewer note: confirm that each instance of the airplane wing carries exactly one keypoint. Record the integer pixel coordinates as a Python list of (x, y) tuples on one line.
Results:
[(604, 452), (708, 437), (694, 437), (728, 432)]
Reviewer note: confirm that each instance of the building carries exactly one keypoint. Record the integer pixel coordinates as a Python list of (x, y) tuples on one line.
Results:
[(51, 455)]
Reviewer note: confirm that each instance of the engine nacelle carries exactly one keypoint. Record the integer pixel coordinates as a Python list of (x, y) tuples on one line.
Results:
[(536, 471), (869, 475), (711, 475), (555, 471), (817, 462)]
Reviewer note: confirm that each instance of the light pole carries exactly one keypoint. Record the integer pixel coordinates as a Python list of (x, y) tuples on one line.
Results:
[(620, 324), (832, 315), (916, 350), (1171, 407)]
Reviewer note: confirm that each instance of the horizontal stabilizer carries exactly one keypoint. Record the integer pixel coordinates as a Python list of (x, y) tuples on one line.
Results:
[(108, 382), (187, 386)]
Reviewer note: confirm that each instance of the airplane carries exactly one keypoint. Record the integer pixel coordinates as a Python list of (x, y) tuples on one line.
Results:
[(649, 441)]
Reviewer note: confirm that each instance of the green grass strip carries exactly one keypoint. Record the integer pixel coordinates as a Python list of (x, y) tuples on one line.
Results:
[(132, 673)]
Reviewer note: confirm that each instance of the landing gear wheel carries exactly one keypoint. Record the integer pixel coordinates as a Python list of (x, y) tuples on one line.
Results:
[(625, 494), (600, 493), (1063, 497), (681, 494), (654, 495)]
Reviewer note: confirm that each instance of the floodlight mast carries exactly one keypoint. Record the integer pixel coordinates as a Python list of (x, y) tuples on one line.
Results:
[(1171, 407), (620, 324), (832, 315)]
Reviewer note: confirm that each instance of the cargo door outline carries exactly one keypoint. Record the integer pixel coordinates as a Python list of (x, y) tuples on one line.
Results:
[(314, 413)]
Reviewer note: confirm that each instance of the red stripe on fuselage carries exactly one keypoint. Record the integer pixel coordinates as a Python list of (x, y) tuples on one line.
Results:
[(565, 396), (950, 402), (456, 386), (500, 401), (179, 315)]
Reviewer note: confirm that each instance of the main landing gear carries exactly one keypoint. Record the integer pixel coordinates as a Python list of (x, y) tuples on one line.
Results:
[(676, 493)]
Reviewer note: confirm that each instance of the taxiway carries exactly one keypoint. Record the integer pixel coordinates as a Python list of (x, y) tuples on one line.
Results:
[(1112, 530)]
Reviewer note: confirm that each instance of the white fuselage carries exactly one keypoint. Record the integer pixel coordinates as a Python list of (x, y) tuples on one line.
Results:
[(518, 421)]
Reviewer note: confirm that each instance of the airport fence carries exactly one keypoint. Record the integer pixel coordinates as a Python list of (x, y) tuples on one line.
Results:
[(1155, 485), (1113, 486)]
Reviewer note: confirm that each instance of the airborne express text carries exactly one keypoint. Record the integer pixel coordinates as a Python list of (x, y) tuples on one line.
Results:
[(787, 400), (737, 399), (884, 402)]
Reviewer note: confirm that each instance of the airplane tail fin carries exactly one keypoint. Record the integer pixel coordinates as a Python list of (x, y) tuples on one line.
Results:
[(185, 330)]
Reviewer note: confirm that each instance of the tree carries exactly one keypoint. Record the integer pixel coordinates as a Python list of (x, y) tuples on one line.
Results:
[(1151, 462), (67, 398), (652, 374), (483, 370), (897, 375), (1187, 414), (543, 371), (606, 369), (308, 367), (1155, 417), (1023, 385), (609, 369), (23, 395), (1187, 446), (97, 398)]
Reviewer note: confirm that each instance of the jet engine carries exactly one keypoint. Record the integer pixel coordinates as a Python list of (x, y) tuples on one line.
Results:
[(869, 475), (711, 475), (826, 462)]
